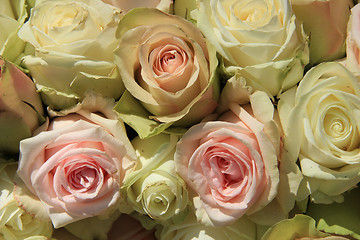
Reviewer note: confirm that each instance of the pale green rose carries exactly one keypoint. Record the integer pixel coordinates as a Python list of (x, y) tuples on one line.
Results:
[(168, 69), (300, 227), (125, 5), (191, 229), (320, 119), (21, 110), (154, 188), (12, 16), (260, 40), (74, 43), (15, 223), (325, 22)]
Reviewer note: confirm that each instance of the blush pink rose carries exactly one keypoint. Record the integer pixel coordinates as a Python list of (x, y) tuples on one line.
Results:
[(76, 167), (231, 164)]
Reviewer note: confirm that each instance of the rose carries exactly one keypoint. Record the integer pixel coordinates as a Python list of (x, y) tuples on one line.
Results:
[(126, 6), (300, 227), (262, 41), (12, 16), (77, 166), (21, 110), (74, 43), (353, 41), (154, 188), (190, 228), (320, 122), (15, 223), (232, 163), (167, 69), (325, 22)]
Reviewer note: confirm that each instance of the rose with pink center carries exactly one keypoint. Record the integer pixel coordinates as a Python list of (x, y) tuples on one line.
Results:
[(231, 164), (76, 167), (168, 69)]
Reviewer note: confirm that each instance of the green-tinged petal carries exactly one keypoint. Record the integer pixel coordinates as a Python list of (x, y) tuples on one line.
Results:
[(338, 218), (135, 115), (295, 228)]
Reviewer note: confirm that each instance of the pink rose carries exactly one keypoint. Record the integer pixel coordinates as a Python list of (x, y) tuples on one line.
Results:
[(76, 167), (232, 163)]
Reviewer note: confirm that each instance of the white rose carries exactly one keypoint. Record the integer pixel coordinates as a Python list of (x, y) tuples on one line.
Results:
[(262, 40), (74, 43), (321, 124)]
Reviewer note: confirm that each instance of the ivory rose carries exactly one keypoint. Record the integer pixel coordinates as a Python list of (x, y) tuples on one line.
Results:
[(154, 188), (168, 71), (261, 41), (74, 43), (126, 6), (325, 22), (232, 164), (320, 122), (21, 110), (15, 222), (352, 61), (77, 166)]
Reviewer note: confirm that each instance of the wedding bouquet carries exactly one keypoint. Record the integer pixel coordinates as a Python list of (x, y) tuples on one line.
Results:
[(182, 119)]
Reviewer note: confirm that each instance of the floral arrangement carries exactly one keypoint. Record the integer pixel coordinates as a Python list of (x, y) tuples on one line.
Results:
[(182, 119)]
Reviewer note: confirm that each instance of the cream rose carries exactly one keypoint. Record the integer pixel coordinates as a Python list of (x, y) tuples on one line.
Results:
[(320, 122), (16, 223), (77, 166), (325, 22), (74, 43), (232, 163), (154, 188), (167, 69), (262, 41)]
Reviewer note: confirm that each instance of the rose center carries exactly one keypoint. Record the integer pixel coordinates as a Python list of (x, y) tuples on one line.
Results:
[(252, 11), (230, 170), (83, 177), (171, 60)]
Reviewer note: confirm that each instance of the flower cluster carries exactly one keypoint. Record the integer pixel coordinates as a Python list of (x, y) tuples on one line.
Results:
[(179, 119)]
